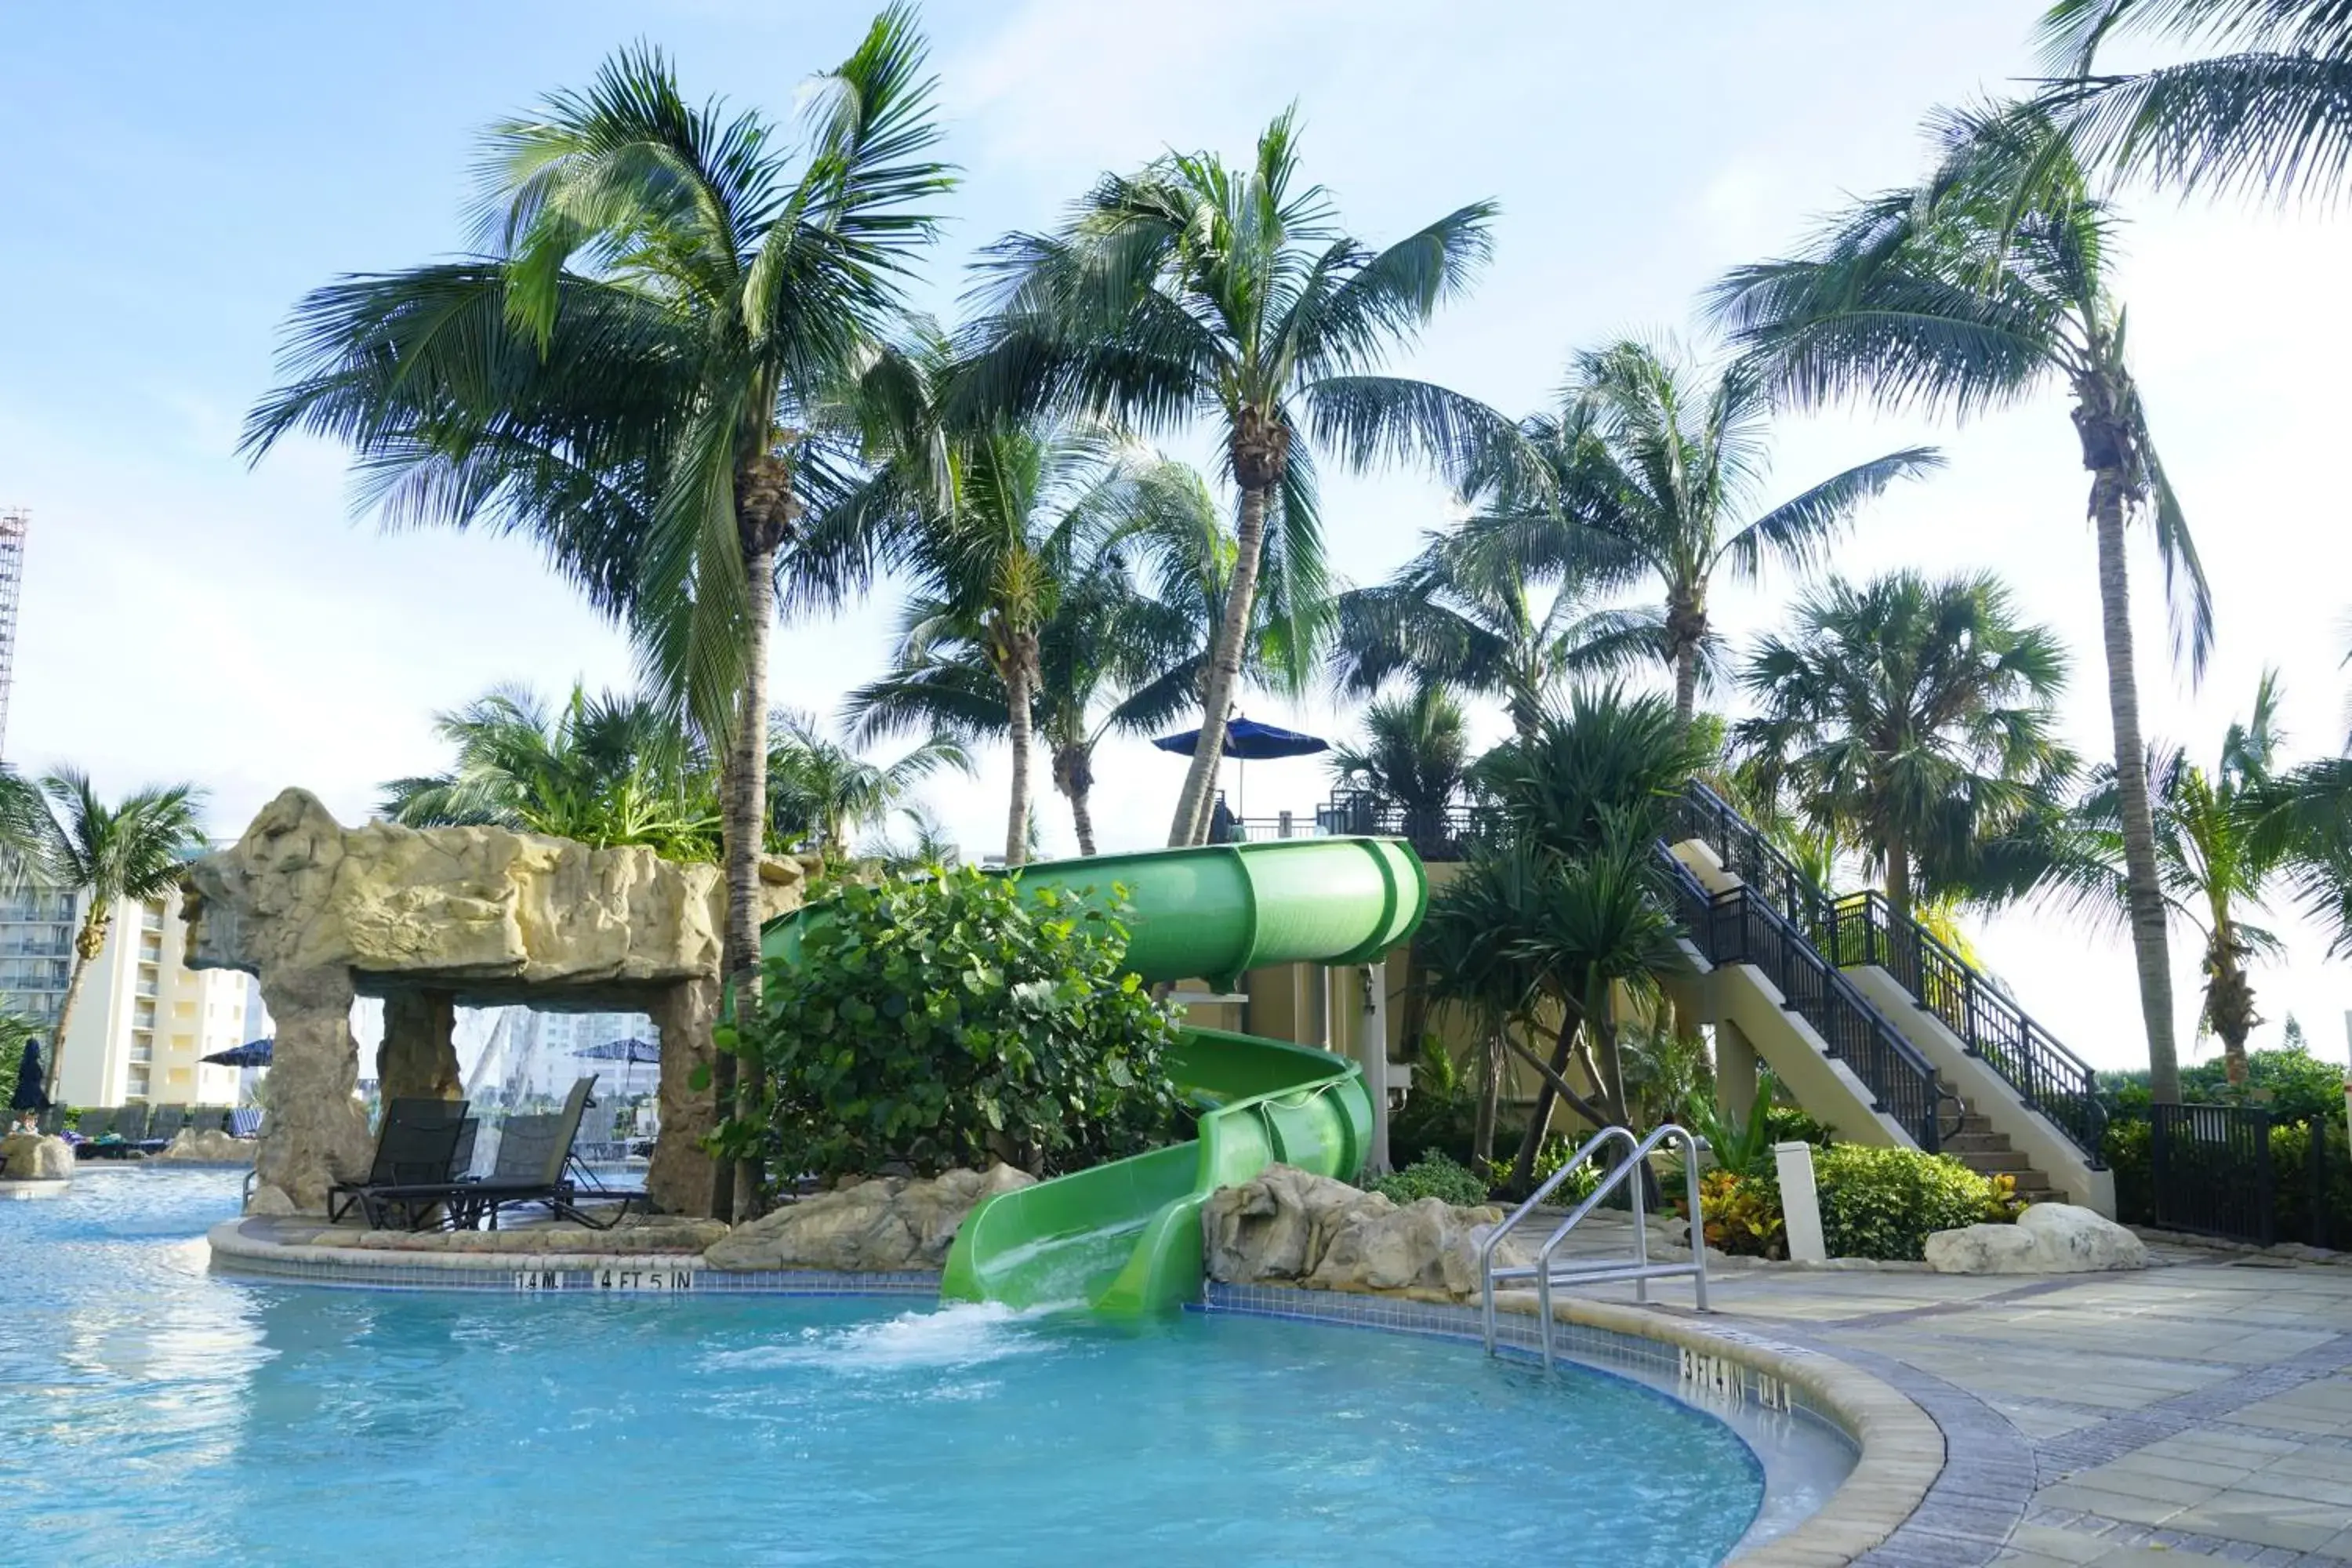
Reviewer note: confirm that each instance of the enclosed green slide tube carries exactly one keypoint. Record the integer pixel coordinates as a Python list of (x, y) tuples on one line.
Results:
[(1125, 1237)]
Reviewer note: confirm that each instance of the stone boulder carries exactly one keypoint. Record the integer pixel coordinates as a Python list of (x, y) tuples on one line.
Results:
[(883, 1224), (30, 1157), (210, 1147), (2048, 1238), (1289, 1227), (1278, 1223)]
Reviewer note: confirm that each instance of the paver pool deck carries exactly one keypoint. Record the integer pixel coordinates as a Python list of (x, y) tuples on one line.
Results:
[(2199, 1409)]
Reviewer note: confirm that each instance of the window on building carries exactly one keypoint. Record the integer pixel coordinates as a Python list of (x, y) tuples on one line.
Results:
[(150, 917), (135, 1084)]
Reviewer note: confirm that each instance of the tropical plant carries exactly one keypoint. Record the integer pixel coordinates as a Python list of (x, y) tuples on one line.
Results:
[(958, 1020), (1914, 718), (1110, 654), (604, 771), (127, 852), (2216, 849), (929, 846), (2269, 113), (1433, 1175), (1741, 1144), (1196, 290), (1415, 755), (1977, 290), (821, 793), (656, 370), (1475, 621), (1645, 474), (1561, 912)]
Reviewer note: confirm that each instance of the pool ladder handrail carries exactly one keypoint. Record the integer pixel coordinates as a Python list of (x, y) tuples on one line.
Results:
[(1641, 1270)]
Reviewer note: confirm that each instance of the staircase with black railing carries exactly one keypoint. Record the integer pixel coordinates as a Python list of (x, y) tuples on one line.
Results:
[(1864, 928), (1740, 925)]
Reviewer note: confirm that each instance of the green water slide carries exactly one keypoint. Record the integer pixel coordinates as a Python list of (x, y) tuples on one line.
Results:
[(1125, 1237)]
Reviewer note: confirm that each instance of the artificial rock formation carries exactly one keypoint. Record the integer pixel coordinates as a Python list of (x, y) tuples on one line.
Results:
[(33, 1157), (887, 1223), (1289, 1227), (434, 918), (210, 1147), (2048, 1238)]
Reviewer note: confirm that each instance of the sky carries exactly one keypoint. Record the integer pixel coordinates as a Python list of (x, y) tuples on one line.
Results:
[(180, 175)]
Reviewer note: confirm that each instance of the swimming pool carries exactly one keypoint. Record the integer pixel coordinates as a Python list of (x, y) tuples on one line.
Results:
[(151, 1412)]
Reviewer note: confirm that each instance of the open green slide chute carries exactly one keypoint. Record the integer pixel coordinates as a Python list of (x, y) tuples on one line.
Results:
[(1125, 1237)]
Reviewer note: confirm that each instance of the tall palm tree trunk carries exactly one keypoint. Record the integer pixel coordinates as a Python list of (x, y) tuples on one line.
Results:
[(1017, 701), (88, 942), (1897, 852), (1192, 822), (745, 831), (1686, 627), (1074, 775), (2144, 895), (1490, 1094)]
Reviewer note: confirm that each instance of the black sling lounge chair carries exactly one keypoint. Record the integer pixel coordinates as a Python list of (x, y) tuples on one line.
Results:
[(414, 1148), (533, 1152)]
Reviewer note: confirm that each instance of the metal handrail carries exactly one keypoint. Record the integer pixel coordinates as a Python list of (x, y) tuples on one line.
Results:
[(1640, 1272), (1991, 1026), (1901, 1081), (2047, 1077)]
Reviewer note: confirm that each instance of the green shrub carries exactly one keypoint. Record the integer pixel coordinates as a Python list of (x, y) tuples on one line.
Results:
[(1433, 1176), (1549, 1160), (2290, 1083), (1885, 1203), (956, 1020), (2291, 1180), (2124, 1146)]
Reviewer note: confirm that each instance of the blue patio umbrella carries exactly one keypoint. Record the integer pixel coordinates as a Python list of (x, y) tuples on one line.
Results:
[(1247, 741), (29, 1095), (1250, 740), (252, 1054)]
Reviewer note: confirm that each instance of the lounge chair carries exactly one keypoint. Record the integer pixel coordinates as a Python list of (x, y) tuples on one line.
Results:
[(244, 1121), (208, 1119), (415, 1147), (52, 1121), (166, 1124), (533, 1154)]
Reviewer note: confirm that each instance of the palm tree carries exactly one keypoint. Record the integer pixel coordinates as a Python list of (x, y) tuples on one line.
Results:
[(1195, 289), (1568, 895), (2218, 847), (1972, 291), (1644, 475), (2268, 112), (1416, 756), (1914, 718), (821, 793), (655, 371), (132, 850), (1478, 621), (603, 771), (1113, 653)]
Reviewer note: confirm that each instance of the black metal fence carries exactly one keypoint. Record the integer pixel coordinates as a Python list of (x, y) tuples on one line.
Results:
[(2235, 1171), (2211, 1173)]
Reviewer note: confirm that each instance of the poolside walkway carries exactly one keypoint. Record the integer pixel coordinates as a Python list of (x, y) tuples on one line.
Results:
[(2201, 1409)]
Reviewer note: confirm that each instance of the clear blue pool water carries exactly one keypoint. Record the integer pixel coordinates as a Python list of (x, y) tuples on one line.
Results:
[(152, 1412)]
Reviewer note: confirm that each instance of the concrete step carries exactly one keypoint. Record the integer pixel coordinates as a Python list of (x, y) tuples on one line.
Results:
[(1977, 1144)]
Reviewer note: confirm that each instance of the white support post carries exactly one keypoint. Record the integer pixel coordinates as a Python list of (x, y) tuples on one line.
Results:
[(1801, 1203), (1372, 1052)]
